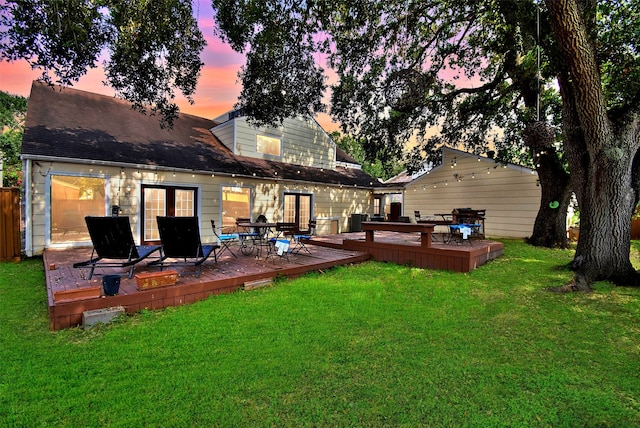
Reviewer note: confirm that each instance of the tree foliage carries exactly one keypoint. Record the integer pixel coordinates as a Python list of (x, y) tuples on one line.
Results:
[(12, 113), (403, 68), (460, 73), (152, 47), (280, 78), (355, 149)]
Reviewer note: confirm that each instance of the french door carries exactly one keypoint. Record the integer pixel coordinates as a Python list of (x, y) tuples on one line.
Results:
[(164, 201), (297, 209)]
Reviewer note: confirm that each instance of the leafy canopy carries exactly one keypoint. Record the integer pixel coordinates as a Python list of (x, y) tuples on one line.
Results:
[(474, 70), (12, 113), (150, 48), (402, 67)]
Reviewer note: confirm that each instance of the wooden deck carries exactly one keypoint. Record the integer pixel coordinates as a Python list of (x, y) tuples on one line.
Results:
[(410, 249), (70, 293)]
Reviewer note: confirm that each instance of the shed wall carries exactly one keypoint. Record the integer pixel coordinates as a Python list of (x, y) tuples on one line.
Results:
[(510, 195)]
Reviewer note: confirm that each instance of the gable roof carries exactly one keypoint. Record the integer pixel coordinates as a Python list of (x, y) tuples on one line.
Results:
[(342, 156), (71, 125), (405, 179)]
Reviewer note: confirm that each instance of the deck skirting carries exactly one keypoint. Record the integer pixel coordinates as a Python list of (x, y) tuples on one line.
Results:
[(451, 257)]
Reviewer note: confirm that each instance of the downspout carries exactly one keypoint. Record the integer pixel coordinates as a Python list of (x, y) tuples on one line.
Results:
[(27, 201)]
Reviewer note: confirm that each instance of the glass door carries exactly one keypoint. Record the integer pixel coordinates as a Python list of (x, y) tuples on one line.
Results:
[(297, 209), (164, 201)]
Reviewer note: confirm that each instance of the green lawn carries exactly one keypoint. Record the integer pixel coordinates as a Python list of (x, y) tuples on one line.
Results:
[(367, 345)]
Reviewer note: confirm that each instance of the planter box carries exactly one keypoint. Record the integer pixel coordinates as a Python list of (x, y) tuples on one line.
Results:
[(77, 294), (147, 280)]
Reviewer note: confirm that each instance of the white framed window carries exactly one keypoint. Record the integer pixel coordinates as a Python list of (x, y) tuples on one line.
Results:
[(269, 145), (236, 203), (72, 198)]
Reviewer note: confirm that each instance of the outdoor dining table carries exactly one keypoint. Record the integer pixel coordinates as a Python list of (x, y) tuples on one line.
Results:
[(446, 237), (250, 241)]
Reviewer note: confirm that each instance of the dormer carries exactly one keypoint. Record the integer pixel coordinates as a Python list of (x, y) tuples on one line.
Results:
[(297, 141)]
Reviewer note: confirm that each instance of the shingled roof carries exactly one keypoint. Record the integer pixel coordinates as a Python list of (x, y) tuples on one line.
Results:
[(73, 125)]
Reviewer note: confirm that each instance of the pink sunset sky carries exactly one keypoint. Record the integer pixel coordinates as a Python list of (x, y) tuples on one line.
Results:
[(218, 87)]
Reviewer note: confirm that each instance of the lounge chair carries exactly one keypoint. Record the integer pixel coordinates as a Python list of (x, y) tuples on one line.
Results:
[(113, 245), (181, 245)]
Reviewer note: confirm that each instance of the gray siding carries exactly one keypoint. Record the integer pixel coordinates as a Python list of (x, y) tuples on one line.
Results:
[(304, 142), (331, 202)]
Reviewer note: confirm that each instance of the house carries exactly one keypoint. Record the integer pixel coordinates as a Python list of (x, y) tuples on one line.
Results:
[(509, 193), (89, 154)]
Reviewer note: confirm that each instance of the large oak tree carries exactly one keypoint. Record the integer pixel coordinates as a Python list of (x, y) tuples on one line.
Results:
[(600, 92), (395, 61), (468, 69), (12, 113)]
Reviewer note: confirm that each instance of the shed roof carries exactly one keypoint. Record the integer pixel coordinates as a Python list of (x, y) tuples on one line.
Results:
[(74, 125)]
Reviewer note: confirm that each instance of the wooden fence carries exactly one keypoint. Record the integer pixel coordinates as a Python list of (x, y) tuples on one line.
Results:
[(635, 228), (9, 224)]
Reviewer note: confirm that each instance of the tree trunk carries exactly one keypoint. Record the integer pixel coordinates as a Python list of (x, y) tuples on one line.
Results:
[(602, 155), (605, 223), (550, 228)]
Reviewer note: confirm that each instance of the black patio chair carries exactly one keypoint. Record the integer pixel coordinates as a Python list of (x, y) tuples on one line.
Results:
[(225, 238), (113, 245), (280, 244), (181, 245), (300, 239), (261, 240)]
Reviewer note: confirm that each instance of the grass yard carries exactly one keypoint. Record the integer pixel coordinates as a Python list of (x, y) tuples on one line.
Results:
[(367, 345)]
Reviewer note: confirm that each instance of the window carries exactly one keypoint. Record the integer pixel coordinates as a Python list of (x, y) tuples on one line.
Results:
[(184, 203), (164, 201), (155, 204), (236, 203), (377, 203), (269, 145), (73, 198)]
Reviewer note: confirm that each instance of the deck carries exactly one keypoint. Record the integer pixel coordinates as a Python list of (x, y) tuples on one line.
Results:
[(75, 294)]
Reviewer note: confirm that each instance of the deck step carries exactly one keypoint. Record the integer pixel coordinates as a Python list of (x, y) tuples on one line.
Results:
[(252, 285), (104, 315)]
